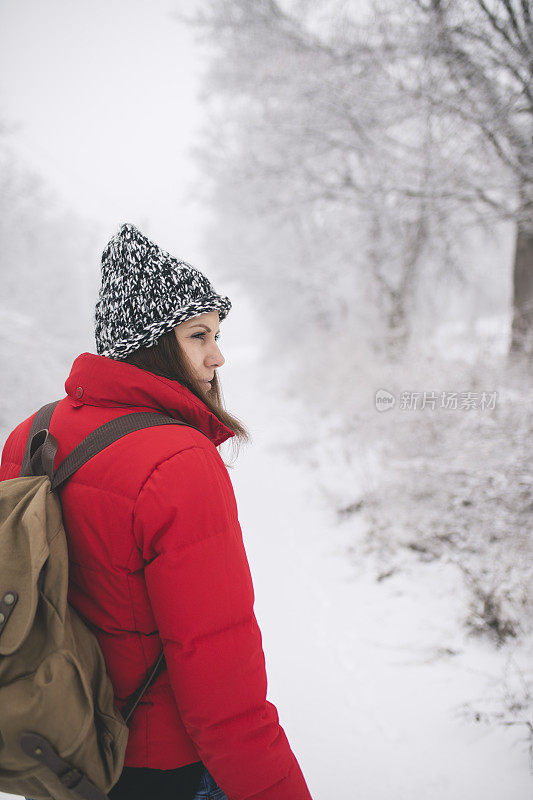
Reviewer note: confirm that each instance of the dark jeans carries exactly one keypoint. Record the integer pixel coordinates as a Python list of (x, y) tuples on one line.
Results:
[(192, 782), (142, 783)]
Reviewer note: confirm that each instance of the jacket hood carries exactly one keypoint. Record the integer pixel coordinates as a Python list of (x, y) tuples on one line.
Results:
[(101, 381)]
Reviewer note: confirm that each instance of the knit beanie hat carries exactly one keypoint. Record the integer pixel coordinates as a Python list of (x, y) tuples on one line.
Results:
[(146, 292)]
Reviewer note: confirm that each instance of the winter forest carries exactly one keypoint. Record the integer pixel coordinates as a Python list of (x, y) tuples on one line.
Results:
[(358, 178)]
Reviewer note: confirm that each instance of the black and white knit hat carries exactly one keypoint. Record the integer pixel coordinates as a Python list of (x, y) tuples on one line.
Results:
[(145, 292)]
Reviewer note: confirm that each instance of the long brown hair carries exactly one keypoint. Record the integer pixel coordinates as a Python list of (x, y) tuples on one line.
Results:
[(167, 358)]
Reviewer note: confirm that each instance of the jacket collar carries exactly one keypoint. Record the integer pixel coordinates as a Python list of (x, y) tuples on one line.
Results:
[(110, 383)]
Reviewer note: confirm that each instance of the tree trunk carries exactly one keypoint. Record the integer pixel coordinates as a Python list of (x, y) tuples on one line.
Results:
[(522, 327)]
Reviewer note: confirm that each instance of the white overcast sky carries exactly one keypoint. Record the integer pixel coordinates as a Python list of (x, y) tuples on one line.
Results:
[(105, 97)]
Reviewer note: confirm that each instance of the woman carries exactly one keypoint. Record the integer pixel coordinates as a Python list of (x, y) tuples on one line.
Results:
[(155, 547)]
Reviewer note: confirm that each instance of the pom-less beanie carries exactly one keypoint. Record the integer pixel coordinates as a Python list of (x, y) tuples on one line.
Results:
[(146, 292)]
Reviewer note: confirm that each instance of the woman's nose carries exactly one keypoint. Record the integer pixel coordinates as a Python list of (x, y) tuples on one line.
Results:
[(216, 358)]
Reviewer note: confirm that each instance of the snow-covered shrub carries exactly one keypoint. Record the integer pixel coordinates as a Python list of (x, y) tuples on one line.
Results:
[(453, 484)]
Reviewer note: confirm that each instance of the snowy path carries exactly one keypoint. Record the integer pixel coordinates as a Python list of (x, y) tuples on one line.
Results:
[(354, 666)]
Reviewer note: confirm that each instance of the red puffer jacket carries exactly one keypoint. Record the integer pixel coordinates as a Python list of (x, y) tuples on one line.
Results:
[(156, 556)]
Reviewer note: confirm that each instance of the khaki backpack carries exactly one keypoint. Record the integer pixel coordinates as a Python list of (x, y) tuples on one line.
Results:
[(61, 736)]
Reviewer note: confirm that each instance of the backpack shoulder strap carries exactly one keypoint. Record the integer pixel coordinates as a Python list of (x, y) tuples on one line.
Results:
[(41, 421), (108, 433), (41, 446)]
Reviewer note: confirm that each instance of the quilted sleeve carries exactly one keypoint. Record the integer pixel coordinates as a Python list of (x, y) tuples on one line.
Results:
[(200, 589), (12, 455)]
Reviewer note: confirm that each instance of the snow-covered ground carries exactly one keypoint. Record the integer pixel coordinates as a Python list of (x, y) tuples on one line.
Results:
[(369, 677)]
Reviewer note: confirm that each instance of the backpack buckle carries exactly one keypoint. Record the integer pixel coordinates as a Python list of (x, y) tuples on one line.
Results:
[(7, 604)]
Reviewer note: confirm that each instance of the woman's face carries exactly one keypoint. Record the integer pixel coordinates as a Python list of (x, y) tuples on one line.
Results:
[(198, 340)]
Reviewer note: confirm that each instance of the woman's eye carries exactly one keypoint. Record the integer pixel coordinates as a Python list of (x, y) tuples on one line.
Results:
[(202, 334)]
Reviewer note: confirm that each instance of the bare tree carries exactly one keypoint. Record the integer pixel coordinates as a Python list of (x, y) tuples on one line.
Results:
[(480, 75), (347, 131)]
